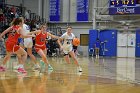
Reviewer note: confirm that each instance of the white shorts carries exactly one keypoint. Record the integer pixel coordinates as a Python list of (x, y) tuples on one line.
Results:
[(28, 43), (67, 49)]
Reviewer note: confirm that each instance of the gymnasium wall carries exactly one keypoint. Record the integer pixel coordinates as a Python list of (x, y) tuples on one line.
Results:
[(14, 2), (33, 5)]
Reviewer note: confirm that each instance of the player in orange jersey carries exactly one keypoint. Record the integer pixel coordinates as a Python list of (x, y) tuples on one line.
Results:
[(15, 31), (40, 43)]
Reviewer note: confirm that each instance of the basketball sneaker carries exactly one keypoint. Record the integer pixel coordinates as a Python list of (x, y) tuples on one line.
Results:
[(2, 69), (36, 67), (80, 69), (42, 64), (16, 67), (21, 70), (50, 67)]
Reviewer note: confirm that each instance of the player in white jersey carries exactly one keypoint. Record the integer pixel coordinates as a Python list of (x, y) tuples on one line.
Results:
[(28, 43), (67, 46)]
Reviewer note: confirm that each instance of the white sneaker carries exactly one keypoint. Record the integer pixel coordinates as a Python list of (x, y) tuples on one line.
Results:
[(80, 69), (16, 67), (50, 67), (36, 67)]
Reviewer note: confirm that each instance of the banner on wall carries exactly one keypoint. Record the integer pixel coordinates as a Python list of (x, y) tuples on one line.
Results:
[(131, 40), (82, 10), (54, 10)]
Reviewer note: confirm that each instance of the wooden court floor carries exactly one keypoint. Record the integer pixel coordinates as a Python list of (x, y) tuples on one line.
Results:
[(104, 75)]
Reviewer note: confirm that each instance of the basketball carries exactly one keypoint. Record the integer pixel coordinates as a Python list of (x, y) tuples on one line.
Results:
[(76, 42)]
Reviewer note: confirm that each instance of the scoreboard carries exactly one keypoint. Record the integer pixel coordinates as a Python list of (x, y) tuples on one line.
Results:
[(124, 7), (118, 3)]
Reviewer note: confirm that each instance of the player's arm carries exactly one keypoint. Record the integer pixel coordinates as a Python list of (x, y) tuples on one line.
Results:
[(58, 39), (34, 32), (53, 36), (59, 42), (24, 35)]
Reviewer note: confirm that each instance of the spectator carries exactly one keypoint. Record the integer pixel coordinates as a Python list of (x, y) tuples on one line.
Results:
[(97, 47)]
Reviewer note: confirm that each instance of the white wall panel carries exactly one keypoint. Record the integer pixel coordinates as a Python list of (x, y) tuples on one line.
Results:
[(65, 10), (32, 5), (14, 2), (73, 10)]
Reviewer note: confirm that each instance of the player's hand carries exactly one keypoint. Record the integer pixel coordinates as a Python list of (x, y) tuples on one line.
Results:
[(33, 35)]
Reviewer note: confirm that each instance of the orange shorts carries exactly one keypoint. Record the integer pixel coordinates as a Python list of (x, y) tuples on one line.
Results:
[(11, 47), (37, 48)]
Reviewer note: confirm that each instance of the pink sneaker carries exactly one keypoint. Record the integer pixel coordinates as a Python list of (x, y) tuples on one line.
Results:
[(21, 70), (2, 69)]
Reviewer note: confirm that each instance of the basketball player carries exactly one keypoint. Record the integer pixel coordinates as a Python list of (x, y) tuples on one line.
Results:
[(28, 43), (15, 31), (67, 47), (40, 43)]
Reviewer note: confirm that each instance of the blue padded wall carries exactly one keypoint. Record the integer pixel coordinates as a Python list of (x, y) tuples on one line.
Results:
[(137, 49), (92, 37), (108, 40)]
